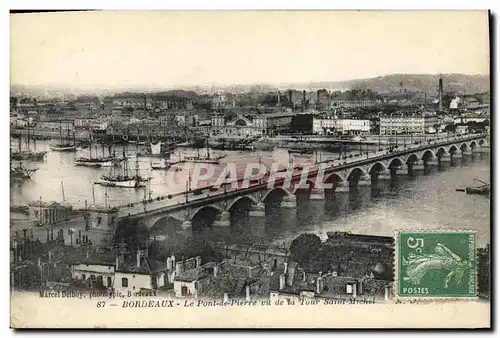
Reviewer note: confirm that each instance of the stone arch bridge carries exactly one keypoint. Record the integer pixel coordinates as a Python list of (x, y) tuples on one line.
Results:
[(215, 209)]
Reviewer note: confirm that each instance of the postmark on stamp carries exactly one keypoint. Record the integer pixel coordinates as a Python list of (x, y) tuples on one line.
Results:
[(436, 264)]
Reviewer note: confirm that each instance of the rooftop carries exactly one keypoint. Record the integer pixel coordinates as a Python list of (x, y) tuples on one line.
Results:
[(49, 204), (80, 255), (192, 275), (147, 266)]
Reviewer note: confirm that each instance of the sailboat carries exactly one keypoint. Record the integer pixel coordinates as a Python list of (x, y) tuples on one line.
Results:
[(97, 162), (482, 189), (125, 179), (20, 173), (64, 145), (28, 154), (204, 159)]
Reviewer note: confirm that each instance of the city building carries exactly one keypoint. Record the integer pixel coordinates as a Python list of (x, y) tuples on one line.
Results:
[(221, 101), (64, 126), (191, 277), (335, 103), (18, 122), (407, 123), (455, 103), (354, 126), (95, 269), (329, 125), (326, 125), (138, 272), (84, 122), (45, 213), (275, 122), (295, 284), (244, 126), (480, 117), (470, 103)]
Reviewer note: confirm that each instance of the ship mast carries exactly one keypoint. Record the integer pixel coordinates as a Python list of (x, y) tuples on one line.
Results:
[(208, 148), (60, 133), (28, 140), (62, 189), (125, 164), (90, 145)]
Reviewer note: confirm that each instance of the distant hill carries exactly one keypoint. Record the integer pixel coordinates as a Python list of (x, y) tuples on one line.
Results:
[(456, 83), (460, 83)]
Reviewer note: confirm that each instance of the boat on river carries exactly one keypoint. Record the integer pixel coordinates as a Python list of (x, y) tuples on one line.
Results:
[(98, 162), (64, 145), (204, 159), (20, 173), (124, 179), (28, 154), (482, 189)]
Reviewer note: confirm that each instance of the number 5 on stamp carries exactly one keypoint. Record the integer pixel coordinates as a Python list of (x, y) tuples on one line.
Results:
[(436, 264)]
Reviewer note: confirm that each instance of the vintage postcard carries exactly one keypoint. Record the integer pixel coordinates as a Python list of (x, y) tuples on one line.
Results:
[(250, 169)]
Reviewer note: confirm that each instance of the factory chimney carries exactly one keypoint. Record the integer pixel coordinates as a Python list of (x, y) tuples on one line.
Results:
[(279, 99), (440, 94)]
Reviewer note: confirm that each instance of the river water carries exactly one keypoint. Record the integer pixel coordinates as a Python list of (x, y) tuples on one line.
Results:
[(424, 201)]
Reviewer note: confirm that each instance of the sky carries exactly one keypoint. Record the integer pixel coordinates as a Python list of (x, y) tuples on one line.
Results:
[(167, 48)]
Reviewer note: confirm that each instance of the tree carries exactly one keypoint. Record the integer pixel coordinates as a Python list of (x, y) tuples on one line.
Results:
[(304, 248)]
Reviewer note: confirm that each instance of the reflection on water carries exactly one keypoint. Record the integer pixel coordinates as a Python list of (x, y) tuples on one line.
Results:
[(419, 200)]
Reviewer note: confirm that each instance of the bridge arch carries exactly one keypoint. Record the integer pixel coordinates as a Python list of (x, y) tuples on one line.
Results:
[(275, 190), (204, 217), (412, 158), (356, 172), (334, 177), (377, 166), (440, 152), (131, 230), (239, 212), (167, 225), (464, 146), (427, 155), (452, 149), (396, 162), (473, 144), (239, 199), (481, 142)]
